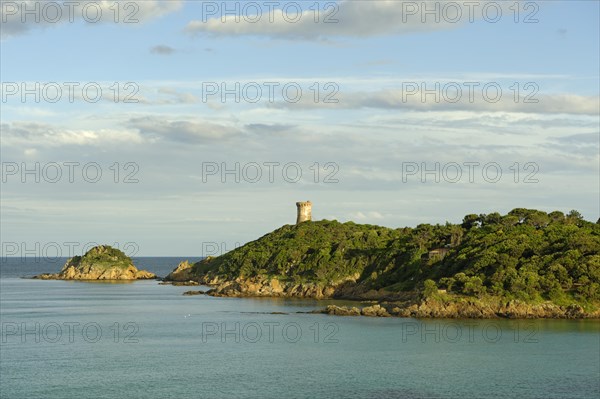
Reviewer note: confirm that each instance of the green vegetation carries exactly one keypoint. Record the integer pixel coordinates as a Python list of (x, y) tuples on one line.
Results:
[(311, 251), (102, 257), (527, 254)]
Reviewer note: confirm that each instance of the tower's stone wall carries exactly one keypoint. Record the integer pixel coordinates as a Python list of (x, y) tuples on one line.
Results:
[(304, 211)]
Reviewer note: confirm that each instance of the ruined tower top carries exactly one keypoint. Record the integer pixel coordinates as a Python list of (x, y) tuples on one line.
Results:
[(304, 211)]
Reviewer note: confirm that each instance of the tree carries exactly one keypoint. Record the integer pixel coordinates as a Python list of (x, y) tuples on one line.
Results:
[(492, 218), (474, 286), (423, 234), (521, 213), (509, 220), (557, 216), (447, 282), (460, 280), (430, 288), (538, 219), (574, 215), (470, 220), (456, 235)]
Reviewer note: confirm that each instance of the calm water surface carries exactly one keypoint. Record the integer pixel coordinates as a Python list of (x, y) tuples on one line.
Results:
[(142, 340)]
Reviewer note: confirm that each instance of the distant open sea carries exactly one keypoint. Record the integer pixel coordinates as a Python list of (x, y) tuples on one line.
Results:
[(67, 339)]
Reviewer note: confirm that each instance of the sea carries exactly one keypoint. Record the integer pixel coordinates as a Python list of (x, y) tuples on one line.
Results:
[(74, 340)]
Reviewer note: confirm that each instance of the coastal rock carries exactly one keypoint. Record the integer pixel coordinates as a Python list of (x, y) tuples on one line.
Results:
[(266, 287), (179, 283), (389, 304), (99, 263), (276, 287), (190, 293), (182, 273), (342, 310), (371, 311), (468, 308), (574, 312), (375, 311)]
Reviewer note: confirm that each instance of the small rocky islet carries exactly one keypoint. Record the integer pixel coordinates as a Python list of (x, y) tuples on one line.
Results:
[(99, 263)]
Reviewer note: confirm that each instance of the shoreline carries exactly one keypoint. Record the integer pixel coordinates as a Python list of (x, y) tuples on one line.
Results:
[(452, 308), (408, 305)]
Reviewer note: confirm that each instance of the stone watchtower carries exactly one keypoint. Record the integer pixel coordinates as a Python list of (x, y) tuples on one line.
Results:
[(304, 211)]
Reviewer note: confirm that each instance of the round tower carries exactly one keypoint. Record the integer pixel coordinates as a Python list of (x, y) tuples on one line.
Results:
[(304, 211)]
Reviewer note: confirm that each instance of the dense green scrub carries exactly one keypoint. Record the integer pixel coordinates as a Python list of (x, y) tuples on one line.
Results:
[(102, 257), (526, 254)]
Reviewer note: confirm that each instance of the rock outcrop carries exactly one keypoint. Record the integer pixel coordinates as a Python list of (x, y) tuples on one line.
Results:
[(182, 273), (371, 311), (185, 274), (268, 287), (341, 310), (192, 293), (99, 263), (471, 309)]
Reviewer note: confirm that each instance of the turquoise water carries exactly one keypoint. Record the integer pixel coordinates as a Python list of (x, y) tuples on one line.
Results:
[(143, 340)]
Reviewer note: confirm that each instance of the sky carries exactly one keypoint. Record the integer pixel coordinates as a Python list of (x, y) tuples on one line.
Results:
[(186, 128)]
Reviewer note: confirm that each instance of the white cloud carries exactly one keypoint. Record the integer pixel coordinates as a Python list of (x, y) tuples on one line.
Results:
[(356, 18), (19, 17), (441, 100), (182, 130), (26, 133)]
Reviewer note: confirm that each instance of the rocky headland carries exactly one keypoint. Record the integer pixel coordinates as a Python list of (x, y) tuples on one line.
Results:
[(526, 264), (99, 263)]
